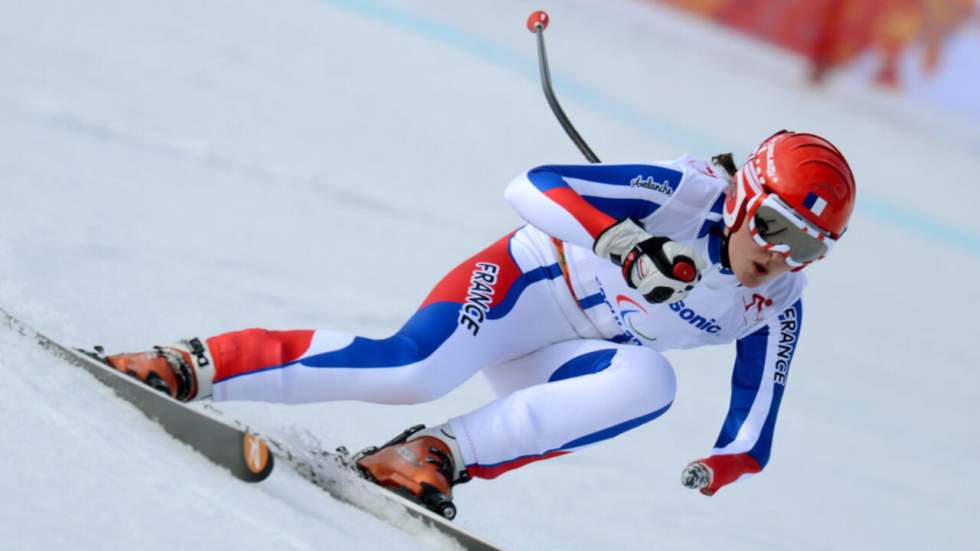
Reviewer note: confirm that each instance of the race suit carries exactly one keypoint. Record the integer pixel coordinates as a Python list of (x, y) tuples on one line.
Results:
[(573, 353)]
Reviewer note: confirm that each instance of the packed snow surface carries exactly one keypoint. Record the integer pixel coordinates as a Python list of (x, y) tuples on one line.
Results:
[(180, 168)]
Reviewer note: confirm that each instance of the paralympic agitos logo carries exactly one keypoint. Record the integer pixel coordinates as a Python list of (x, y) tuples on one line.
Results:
[(629, 308), (626, 310)]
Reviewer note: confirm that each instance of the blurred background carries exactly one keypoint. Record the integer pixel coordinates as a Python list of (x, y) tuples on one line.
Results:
[(925, 49)]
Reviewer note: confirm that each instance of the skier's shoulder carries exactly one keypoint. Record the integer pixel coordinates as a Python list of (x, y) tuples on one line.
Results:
[(700, 172), (688, 206), (701, 185), (689, 168)]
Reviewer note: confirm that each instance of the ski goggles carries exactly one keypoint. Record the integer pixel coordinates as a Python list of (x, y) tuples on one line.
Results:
[(775, 226)]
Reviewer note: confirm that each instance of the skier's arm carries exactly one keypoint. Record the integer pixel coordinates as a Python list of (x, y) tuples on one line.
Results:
[(758, 381), (577, 203), (601, 207)]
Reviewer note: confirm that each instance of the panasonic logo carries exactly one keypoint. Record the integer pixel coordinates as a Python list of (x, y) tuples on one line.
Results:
[(695, 319)]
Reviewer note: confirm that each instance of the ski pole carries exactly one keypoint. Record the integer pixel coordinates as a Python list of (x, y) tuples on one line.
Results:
[(537, 23)]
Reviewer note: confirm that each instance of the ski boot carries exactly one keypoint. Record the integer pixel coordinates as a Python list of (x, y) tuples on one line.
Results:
[(421, 465), (183, 370)]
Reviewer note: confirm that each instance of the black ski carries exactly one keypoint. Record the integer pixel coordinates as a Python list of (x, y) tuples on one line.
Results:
[(250, 455), (336, 473), (228, 444)]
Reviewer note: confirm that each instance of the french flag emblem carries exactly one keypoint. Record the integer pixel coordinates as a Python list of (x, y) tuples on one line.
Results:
[(814, 203)]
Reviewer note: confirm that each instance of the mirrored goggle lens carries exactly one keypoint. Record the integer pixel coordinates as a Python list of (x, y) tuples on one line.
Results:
[(776, 229)]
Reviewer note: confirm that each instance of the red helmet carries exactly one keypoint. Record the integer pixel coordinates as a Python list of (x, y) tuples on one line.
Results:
[(806, 172)]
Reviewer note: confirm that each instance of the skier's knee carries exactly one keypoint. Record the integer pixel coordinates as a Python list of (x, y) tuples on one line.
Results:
[(655, 376), (665, 380)]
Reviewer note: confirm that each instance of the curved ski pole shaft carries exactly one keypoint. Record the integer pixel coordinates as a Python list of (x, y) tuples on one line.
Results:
[(536, 23)]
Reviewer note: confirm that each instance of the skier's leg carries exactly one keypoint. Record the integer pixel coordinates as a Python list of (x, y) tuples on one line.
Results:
[(562, 398), (558, 399), (499, 304)]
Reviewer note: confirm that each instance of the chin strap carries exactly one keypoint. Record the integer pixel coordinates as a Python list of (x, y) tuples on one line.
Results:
[(725, 239)]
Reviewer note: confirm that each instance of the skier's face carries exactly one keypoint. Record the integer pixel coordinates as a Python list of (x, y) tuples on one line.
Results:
[(752, 264)]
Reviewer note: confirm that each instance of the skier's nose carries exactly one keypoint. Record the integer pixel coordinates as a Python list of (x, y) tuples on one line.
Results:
[(775, 258)]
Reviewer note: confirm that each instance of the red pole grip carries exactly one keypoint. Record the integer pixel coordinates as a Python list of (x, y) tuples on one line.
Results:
[(537, 21)]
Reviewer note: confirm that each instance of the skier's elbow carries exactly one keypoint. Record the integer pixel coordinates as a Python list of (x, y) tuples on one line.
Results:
[(517, 189)]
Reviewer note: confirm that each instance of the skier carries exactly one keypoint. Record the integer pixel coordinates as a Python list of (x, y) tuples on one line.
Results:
[(568, 317)]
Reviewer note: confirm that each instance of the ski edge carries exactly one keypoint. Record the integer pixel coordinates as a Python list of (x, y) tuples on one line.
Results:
[(229, 445), (350, 487), (353, 490)]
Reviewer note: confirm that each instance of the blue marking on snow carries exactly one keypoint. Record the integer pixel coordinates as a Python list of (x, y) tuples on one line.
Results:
[(920, 223), (525, 64)]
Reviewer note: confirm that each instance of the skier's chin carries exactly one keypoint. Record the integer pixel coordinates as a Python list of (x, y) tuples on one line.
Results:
[(752, 264), (752, 274), (749, 281)]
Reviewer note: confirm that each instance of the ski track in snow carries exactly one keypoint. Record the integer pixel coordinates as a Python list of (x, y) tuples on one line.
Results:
[(183, 168)]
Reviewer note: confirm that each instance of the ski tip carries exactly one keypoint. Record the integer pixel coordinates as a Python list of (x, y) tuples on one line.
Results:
[(538, 21)]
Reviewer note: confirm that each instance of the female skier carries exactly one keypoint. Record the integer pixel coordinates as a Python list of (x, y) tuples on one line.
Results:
[(568, 317)]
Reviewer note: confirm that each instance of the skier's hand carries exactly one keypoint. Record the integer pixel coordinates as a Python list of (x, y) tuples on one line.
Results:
[(712, 473), (664, 271), (697, 476)]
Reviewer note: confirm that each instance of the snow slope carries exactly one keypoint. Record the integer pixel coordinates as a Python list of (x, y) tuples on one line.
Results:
[(184, 168)]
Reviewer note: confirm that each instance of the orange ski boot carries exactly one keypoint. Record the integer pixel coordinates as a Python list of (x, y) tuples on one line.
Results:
[(183, 370), (422, 465)]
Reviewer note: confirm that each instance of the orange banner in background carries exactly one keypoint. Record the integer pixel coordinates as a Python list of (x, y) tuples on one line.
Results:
[(834, 32)]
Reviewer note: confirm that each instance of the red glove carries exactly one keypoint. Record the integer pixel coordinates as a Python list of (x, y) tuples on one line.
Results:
[(711, 473)]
